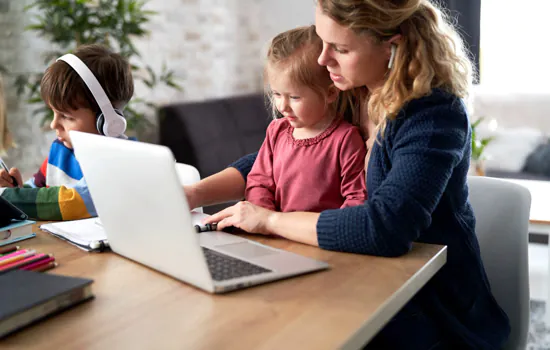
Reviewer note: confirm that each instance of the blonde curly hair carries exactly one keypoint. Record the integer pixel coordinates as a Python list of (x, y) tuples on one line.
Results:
[(430, 53)]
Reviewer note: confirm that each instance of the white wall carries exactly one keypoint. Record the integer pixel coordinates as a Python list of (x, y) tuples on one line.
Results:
[(215, 47)]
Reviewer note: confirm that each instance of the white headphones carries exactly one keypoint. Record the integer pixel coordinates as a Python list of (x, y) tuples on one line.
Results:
[(110, 121)]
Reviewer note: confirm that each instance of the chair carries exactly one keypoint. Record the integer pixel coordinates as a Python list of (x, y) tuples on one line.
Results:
[(502, 219), (188, 175)]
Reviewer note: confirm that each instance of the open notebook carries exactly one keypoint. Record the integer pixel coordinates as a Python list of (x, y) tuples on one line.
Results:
[(88, 234)]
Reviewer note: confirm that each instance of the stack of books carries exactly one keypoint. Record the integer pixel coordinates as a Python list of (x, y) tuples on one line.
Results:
[(12, 258), (15, 231)]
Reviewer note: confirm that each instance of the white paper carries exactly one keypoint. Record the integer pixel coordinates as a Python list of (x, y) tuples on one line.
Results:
[(89, 230), (79, 231)]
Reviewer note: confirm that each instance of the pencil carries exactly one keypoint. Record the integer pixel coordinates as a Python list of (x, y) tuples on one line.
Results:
[(16, 257), (11, 255), (21, 263), (8, 249), (32, 266), (45, 267)]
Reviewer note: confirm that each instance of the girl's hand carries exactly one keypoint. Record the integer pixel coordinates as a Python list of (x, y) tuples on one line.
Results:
[(244, 215), (6, 179)]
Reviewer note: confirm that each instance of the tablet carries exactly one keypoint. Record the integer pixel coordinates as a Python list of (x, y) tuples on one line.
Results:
[(9, 212)]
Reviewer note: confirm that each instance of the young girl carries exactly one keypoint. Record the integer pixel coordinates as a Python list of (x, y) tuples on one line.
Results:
[(311, 159)]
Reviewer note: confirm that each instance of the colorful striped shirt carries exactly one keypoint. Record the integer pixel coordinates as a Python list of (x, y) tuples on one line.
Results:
[(57, 191)]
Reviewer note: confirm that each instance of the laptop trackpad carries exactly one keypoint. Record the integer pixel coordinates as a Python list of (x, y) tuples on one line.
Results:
[(246, 250)]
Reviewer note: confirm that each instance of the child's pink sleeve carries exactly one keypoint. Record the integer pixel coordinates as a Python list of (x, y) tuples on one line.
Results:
[(260, 186), (352, 160)]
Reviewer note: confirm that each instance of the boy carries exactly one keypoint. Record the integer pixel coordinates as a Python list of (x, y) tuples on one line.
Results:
[(58, 190)]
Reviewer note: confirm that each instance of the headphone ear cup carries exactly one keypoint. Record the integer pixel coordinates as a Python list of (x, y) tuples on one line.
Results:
[(100, 122), (119, 123)]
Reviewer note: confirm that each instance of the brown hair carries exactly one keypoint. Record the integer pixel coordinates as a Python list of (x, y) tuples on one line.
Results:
[(63, 89), (430, 54), (295, 52)]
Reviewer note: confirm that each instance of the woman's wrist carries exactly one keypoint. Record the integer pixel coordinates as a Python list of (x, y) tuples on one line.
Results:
[(271, 222)]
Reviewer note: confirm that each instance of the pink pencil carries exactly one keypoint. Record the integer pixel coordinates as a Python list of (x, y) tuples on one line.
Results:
[(21, 263), (17, 257), (38, 263), (11, 255)]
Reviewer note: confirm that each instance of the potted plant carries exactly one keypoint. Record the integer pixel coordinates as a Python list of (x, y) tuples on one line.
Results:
[(478, 146), (114, 23)]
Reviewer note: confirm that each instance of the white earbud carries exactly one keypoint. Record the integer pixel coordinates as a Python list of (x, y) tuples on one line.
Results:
[(392, 56)]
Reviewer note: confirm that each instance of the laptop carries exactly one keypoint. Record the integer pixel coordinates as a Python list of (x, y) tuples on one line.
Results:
[(142, 206)]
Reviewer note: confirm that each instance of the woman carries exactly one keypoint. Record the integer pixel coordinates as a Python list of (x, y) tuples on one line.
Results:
[(413, 65)]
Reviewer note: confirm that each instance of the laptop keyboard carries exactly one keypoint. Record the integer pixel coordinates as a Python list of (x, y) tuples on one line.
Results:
[(224, 267)]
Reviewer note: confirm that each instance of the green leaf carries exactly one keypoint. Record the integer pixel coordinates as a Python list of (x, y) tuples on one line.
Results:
[(66, 24), (477, 122), (34, 100)]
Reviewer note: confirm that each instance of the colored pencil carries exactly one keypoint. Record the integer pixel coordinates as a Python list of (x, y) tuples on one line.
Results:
[(19, 264), (11, 255), (16, 257), (38, 263), (8, 249), (45, 267)]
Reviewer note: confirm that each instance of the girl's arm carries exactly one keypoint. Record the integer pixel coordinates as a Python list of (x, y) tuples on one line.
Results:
[(260, 184)]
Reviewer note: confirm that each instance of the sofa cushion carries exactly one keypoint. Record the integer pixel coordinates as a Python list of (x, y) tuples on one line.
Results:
[(538, 161), (510, 147)]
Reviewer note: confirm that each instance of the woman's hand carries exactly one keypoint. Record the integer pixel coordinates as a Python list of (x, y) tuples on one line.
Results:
[(244, 215), (6, 179)]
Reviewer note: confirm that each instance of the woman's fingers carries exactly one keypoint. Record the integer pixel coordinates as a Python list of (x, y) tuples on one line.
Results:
[(227, 222), (219, 216)]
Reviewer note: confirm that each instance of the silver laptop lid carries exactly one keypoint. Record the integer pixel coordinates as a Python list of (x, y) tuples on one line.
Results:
[(123, 176)]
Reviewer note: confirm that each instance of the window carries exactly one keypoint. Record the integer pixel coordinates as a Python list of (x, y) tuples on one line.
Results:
[(515, 45)]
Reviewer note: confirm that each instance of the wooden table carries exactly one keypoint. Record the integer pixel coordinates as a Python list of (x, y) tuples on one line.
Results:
[(138, 308)]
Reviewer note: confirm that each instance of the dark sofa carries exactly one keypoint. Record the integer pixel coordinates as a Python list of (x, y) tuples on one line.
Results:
[(212, 134)]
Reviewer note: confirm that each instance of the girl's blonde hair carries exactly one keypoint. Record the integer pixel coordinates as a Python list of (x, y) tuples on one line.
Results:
[(429, 55), (295, 52)]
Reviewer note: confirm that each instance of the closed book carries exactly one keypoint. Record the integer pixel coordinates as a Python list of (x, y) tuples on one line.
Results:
[(16, 231), (27, 297)]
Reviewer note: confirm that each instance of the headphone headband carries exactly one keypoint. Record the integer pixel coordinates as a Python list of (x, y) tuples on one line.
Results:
[(115, 125)]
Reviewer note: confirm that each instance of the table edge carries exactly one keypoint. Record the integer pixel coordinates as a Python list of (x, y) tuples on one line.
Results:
[(392, 306)]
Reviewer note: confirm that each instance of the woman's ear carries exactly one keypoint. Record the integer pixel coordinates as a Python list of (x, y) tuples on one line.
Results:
[(392, 43)]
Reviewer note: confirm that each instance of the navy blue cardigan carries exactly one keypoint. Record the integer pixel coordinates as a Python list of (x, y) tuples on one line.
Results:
[(417, 191)]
